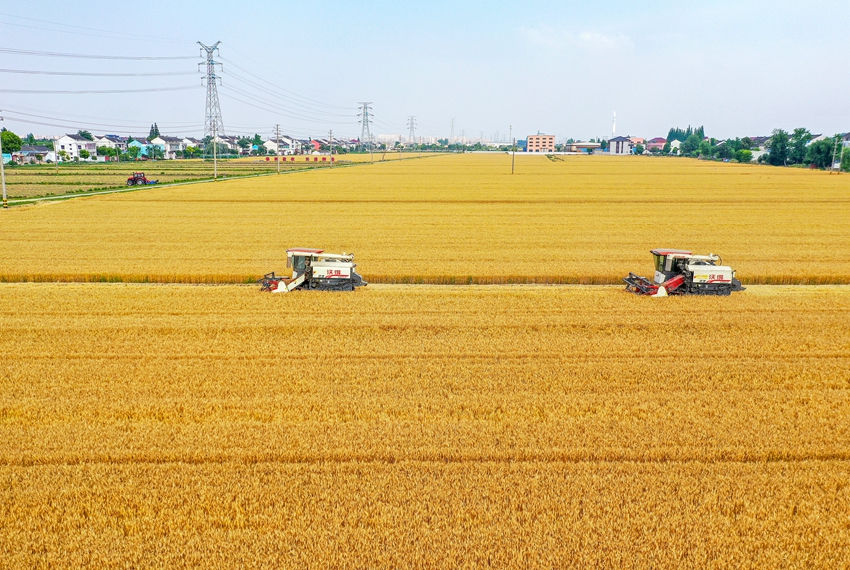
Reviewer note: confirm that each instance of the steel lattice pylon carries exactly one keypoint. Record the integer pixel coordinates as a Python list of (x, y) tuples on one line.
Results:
[(365, 123), (213, 125)]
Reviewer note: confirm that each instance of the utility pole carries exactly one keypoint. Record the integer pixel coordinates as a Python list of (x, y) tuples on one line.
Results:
[(365, 120), (215, 153), (212, 111), (834, 154), (331, 140), (513, 146), (277, 134), (3, 170), (411, 125)]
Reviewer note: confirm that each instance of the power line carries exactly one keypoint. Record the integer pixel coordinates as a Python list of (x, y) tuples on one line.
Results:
[(290, 101), (310, 126), (89, 119), (91, 74), (133, 131), (74, 124), (95, 124), (273, 109), (271, 104), (91, 56), (291, 93), (91, 91), (102, 32)]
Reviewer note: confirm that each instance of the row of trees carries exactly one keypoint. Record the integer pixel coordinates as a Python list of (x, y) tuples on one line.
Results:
[(682, 135), (696, 145), (785, 149)]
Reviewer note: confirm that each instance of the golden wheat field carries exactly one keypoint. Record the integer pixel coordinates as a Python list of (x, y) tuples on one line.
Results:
[(450, 219), (173, 425), (158, 423)]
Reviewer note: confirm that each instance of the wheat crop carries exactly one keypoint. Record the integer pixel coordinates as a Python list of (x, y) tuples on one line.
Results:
[(449, 219), (531, 425)]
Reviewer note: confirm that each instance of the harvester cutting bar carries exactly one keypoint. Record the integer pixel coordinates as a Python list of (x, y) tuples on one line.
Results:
[(640, 285), (269, 282)]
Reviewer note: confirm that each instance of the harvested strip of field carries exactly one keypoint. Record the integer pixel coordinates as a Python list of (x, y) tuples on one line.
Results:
[(29, 181), (42, 180), (449, 219), (173, 424)]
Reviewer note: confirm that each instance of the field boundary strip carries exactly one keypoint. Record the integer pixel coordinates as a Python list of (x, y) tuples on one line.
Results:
[(378, 279), (119, 190), (667, 457)]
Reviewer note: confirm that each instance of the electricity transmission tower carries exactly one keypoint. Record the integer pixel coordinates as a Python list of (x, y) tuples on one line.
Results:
[(365, 121), (213, 125), (411, 125)]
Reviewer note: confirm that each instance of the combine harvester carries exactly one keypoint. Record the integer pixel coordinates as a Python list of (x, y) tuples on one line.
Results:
[(679, 272), (313, 269)]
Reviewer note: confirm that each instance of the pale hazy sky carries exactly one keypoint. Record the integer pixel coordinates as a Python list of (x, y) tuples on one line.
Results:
[(738, 67)]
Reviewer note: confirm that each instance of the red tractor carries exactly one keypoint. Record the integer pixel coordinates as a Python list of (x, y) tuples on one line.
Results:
[(139, 179)]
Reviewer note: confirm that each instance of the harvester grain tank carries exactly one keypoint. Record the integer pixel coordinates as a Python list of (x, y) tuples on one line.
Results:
[(680, 272), (313, 269)]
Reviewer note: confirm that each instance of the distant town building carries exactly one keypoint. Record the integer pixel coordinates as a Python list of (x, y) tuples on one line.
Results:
[(586, 147), (388, 139), (540, 143), (171, 147), (759, 143), (32, 154), (71, 145), (193, 142), (112, 141), (225, 143), (141, 144), (656, 144), (621, 145), (288, 145)]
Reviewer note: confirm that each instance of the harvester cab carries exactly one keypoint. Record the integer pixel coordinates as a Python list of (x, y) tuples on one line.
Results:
[(680, 272), (315, 269)]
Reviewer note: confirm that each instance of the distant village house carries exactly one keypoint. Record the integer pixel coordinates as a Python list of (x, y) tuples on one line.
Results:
[(540, 143)]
